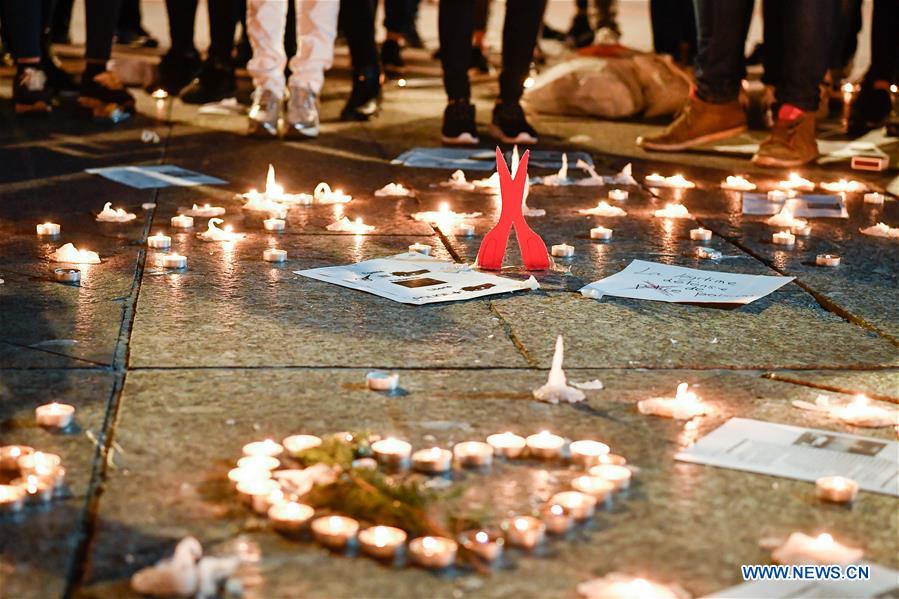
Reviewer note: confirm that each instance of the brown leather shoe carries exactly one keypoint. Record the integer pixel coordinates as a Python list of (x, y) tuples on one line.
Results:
[(792, 143), (698, 123)]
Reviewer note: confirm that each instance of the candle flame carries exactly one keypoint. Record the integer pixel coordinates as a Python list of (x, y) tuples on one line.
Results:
[(520, 524), (481, 537), (824, 539)]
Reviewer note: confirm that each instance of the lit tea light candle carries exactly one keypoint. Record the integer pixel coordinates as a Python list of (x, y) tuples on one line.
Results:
[(254, 491), (473, 454), (794, 181), (620, 476), (545, 445), (508, 445), (801, 230), (273, 224), (213, 233), (737, 183), (262, 503), (290, 517), (159, 241), (784, 238), (54, 415), (858, 412), (173, 261), (433, 552), (335, 532), (432, 461), (421, 248), (595, 486), (382, 542), (623, 586), (10, 454), (576, 504), (393, 190), (785, 218), (258, 462), (37, 489), (563, 250), (391, 451), (182, 222), (524, 531), (827, 260), (673, 211), (266, 447), (486, 545), (800, 548), (382, 381), (844, 186), (683, 406), (700, 234), (297, 444), (445, 219), (69, 253), (118, 215), (12, 498), (556, 520), (613, 458), (239, 475), (836, 489), (870, 198), (274, 255), (273, 196), (618, 194), (587, 452), (39, 463), (674, 181), (48, 229), (881, 230), (600, 233), (324, 195), (603, 208), (67, 275), (345, 225), (204, 211)]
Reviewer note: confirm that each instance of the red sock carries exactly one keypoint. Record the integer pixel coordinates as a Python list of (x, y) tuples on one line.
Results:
[(788, 112)]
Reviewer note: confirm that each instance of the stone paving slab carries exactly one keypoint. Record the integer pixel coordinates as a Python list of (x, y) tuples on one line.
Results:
[(652, 532), (882, 385), (38, 545), (230, 308)]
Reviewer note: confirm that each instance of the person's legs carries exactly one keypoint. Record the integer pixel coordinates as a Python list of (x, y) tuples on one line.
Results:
[(101, 91), (223, 17), (608, 15), (182, 18), (61, 19), (23, 20), (580, 33), (872, 107), (479, 60), (266, 20), (216, 79), (181, 63), (397, 19), (357, 19), (455, 23)]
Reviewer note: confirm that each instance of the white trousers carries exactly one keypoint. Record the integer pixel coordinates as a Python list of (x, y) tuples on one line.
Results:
[(316, 30)]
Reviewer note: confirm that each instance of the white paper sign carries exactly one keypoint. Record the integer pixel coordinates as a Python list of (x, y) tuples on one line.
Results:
[(799, 453), (666, 283), (883, 583), (417, 279), (150, 177), (808, 206)]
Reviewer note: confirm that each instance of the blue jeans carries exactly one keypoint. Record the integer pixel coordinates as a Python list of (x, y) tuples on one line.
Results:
[(798, 35)]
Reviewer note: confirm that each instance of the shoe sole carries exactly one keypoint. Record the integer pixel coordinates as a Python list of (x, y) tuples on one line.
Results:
[(104, 112), (772, 162), (466, 139), (260, 132), (292, 133), (523, 139), (36, 108), (698, 141)]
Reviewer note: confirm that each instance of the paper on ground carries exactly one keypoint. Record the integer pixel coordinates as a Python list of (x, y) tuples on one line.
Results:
[(414, 278), (799, 453), (481, 160), (147, 177), (807, 206), (665, 283), (880, 582)]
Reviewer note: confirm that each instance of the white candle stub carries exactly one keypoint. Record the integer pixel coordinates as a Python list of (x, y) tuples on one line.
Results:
[(334, 532), (796, 182), (118, 215), (619, 475), (683, 406), (844, 186), (67, 275), (345, 225), (785, 218), (391, 451), (273, 199), (737, 183), (874, 198), (54, 415), (204, 211), (603, 208), (159, 241), (433, 552), (323, 194), (881, 230), (618, 194), (393, 190), (673, 211), (457, 181), (579, 506), (290, 516), (556, 389), (836, 489), (524, 531), (182, 221), (545, 445), (827, 260), (266, 447), (48, 229), (674, 181), (600, 233), (273, 224), (12, 498), (705, 253), (622, 586), (487, 546), (382, 542), (473, 454), (506, 444), (700, 234), (382, 381), (587, 452), (800, 548), (857, 412), (784, 238), (445, 219), (69, 253), (274, 255), (434, 460), (563, 250), (173, 261), (801, 230), (297, 444), (213, 233), (421, 248)]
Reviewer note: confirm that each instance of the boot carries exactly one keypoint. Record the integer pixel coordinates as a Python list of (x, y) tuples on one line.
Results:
[(698, 123), (215, 82), (792, 141), (365, 98), (30, 92), (104, 96)]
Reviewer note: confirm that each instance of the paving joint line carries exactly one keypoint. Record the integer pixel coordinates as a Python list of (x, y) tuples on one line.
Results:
[(773, 376)]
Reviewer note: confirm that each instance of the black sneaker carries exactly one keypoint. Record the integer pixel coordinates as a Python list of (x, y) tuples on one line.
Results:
[(413, 39), (510, 125), (105, 98), (870, 110), (30, 92), (479, 63), (243, 52), (215, 83), (551, 33), (365, 98), (580, 33), (459, 128), (176, 71), (57, 79), (391, 58)]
